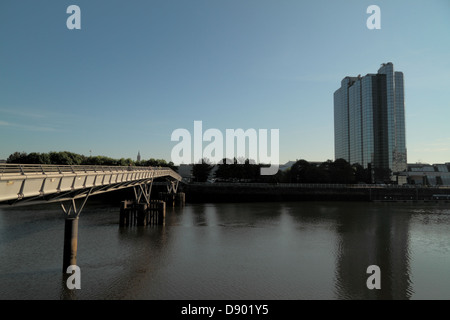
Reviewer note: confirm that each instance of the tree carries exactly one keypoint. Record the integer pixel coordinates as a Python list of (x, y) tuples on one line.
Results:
[(382, 175), (341, 172), (361, 174), (31, 158), (316, 174), (239, 170), (124, 162), (65, 158), (223, 171), (201, 171), (17, 157), (283, 176), (298, 171)]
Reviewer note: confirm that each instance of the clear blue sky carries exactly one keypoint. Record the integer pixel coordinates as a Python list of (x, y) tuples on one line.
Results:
[(138, 70)]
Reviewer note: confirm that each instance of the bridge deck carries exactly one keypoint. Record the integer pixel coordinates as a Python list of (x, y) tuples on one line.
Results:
[(49, 183)]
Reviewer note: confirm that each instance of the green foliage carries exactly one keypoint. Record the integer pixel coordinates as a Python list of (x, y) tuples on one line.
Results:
[(157, 163), (65, 158), (70, 158)]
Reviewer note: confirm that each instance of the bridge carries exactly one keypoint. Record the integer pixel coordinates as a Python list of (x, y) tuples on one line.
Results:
[(29, 184), (25, 184)]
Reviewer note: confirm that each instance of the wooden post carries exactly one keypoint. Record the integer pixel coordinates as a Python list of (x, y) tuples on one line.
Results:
[(124, 218), (180, 199), (161, 212), (141, 214)]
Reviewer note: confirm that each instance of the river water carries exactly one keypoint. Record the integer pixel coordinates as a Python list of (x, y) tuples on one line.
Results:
[(293, 250)]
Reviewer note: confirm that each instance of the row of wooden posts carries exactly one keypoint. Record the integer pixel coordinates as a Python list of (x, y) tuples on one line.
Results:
[(142, 214)]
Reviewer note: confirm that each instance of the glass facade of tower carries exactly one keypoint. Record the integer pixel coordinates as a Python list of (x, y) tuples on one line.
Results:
[(369, 122), (341, 119)]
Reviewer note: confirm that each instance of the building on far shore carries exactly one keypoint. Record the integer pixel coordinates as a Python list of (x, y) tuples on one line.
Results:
[(2, 161), (429, 174)]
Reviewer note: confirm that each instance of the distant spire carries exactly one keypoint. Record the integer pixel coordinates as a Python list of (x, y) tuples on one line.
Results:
[(139, 156)]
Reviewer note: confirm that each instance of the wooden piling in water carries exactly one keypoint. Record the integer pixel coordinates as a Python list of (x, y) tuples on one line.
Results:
[(173, 199), (160, 211), (180, 199), (142, 214), (125, 213)]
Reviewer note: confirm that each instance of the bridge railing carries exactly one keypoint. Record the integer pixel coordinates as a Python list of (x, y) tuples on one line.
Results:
[(48, 168)]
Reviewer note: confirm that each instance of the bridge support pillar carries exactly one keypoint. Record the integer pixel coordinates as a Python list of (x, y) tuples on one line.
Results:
[(70, 242), (71, 231)]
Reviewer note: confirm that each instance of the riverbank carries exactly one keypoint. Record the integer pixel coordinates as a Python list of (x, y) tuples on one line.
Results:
[(266, 192), (259, 192)]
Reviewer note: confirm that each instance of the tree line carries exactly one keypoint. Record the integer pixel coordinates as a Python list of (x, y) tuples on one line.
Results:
[(233, 170), (70, 158), (338, 171), (302, 171)]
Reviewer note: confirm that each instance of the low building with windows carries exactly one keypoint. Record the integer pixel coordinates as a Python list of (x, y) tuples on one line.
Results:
[(429, 174)]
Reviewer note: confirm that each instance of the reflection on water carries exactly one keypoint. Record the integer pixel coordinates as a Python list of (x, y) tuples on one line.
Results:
[(377, 236), (305, 250)]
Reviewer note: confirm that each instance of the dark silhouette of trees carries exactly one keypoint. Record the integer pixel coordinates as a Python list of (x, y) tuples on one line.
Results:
[(341, 172), (316, 174), (338, 171), (298, 171), (382, 175), (23, 158), (201, 171), (362, 175), (302, 171), (244, 170)]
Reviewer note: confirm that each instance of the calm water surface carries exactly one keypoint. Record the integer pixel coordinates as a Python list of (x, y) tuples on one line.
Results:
[(304, 250)]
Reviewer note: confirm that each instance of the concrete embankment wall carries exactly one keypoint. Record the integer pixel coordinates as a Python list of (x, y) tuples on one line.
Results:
[(258, 192), (237, 192)]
